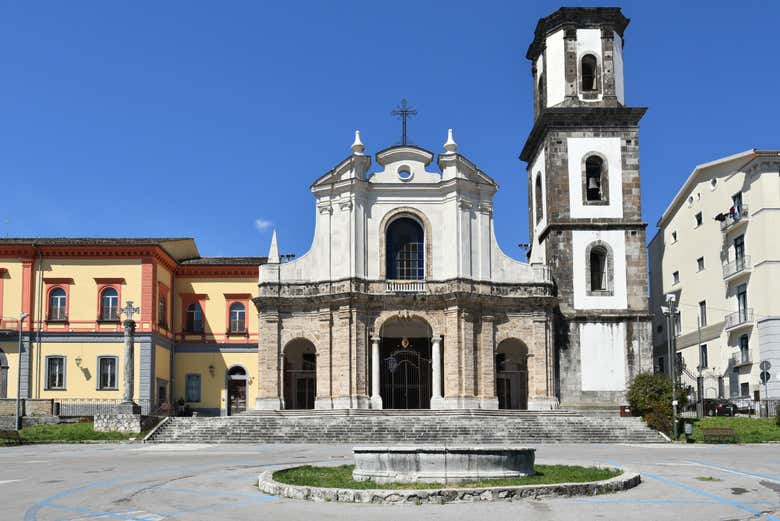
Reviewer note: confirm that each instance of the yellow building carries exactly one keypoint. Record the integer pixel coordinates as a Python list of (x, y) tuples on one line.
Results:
[(72, 340)]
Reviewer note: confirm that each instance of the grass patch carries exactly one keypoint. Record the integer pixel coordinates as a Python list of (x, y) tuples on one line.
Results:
[(341, 477), (69, 433), (749, 430)]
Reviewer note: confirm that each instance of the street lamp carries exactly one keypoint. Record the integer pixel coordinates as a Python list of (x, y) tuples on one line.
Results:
[(670, 313), (22, 316)]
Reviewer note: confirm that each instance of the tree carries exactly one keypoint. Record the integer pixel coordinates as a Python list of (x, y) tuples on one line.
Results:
[(650, 396)]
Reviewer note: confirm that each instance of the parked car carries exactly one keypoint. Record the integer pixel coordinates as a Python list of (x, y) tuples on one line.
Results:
[(719, 407)]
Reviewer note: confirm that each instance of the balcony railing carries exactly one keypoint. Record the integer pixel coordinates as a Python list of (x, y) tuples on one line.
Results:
[(738, 265), (741, 359), (405, 286), (738, 318), (731, 220)]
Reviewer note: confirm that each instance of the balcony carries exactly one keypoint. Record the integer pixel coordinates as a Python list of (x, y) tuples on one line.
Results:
[(739, 319), (740, 359), (405, 286), (736, 267), (736, 220)]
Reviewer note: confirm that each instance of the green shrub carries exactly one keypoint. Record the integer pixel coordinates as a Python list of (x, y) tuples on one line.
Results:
[(650, 396), (777, 415)]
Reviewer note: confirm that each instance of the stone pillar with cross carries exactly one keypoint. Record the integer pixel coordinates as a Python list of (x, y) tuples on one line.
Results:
[(128, 406)]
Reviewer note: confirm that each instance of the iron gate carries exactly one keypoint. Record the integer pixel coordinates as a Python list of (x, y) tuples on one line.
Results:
[(512, 389), (406, 379)]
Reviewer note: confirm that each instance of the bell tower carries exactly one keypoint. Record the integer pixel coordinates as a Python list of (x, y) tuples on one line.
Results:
[(585, 215)]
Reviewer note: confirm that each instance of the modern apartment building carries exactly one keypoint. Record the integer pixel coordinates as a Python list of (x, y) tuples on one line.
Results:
[(717, 250)]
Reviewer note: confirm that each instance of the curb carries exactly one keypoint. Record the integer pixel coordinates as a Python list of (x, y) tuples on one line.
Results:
[(268, 485)]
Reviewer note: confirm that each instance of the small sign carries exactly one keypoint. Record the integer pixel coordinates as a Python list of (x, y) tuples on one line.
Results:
[(674, 402), (765, 365), (764, 376)]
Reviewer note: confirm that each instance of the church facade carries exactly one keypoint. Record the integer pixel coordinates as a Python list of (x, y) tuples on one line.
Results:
[(404, 300)]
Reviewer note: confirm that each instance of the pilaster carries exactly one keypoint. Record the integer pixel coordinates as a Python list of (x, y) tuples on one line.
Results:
[(324, 362), (487, 365), (269, 395)]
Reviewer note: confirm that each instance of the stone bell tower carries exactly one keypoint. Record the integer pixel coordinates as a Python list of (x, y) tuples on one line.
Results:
[(584, 203)]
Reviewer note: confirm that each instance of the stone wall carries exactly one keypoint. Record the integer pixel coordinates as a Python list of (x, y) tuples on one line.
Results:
[(28, 407), (124, 422)]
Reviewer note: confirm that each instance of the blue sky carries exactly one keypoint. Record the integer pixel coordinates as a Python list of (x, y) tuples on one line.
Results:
[(205, 119)]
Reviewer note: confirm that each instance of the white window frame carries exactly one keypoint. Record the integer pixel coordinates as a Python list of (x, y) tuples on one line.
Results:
[(100, 359), (64, 376)]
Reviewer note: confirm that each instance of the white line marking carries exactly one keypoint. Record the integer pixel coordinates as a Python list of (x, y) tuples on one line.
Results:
[(4, 481)]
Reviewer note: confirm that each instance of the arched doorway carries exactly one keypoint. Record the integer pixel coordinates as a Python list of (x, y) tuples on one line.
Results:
[(3, 375), (237, 389), (406, 370), (300, 374), (512, 374)]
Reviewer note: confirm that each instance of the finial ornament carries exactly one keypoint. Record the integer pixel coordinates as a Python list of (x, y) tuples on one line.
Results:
[(450, 146), (273, 251), (358, 147)]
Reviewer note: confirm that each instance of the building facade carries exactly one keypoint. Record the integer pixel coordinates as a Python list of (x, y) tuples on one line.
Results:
[(716, 251), (404, 299)]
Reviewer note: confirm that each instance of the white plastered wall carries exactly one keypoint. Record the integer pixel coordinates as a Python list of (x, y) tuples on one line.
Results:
[(589, 42), (617, 57), (538, 167), (609, 148), (616, 240), (556, 69), (602, 356)]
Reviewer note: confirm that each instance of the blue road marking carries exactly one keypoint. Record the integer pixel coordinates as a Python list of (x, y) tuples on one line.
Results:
[(730, 469), (717, 499)]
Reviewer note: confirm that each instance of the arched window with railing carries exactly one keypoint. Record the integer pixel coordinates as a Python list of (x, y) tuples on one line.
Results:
[(58, 305), (405, 250), (109, 304), (194, 318), (237, 318)]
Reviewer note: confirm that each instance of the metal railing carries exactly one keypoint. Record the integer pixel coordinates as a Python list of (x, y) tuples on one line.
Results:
[(92, 406), (740, 215), (741, 359), (405, 286), (738, 318), (737, 265)]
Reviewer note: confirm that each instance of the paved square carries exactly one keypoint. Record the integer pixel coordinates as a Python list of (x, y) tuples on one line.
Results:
[(207, 482)]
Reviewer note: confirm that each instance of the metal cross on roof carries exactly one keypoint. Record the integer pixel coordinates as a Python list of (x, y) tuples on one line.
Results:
[(128, 311), (403, 111)]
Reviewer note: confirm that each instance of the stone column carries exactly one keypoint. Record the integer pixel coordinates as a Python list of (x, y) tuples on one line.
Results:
[(376, 398), (487, 364), (437, 401), (269, 354), (128, 406), (129, 359)]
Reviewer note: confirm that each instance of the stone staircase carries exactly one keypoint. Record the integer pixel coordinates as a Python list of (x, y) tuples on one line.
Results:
[(419, 427)]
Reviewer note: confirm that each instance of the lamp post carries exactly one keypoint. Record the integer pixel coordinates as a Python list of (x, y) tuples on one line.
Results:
[(670, 312), (22, 316)]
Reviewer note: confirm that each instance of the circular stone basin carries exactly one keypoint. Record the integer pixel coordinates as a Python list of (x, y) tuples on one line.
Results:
[(440, 464)]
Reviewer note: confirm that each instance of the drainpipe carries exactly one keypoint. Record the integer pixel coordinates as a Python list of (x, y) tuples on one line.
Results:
[(37, 381), (171, 375)]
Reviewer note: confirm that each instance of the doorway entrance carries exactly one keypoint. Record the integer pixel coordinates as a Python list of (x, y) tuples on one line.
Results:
[(300, 375), (405, 376), (512, 374), (236, 390)]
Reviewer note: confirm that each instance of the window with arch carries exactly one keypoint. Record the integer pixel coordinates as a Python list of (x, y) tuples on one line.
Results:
[(109, 304), (595, 180), (194, 322), (405, 250), (599, 269), (237, 318), (588, 74), (58, 302), (538, 195)]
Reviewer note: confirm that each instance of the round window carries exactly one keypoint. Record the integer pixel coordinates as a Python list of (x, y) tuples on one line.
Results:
[(404, 173)]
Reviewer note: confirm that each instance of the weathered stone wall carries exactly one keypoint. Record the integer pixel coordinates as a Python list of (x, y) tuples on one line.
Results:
[(28, 407), (123, 422)]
